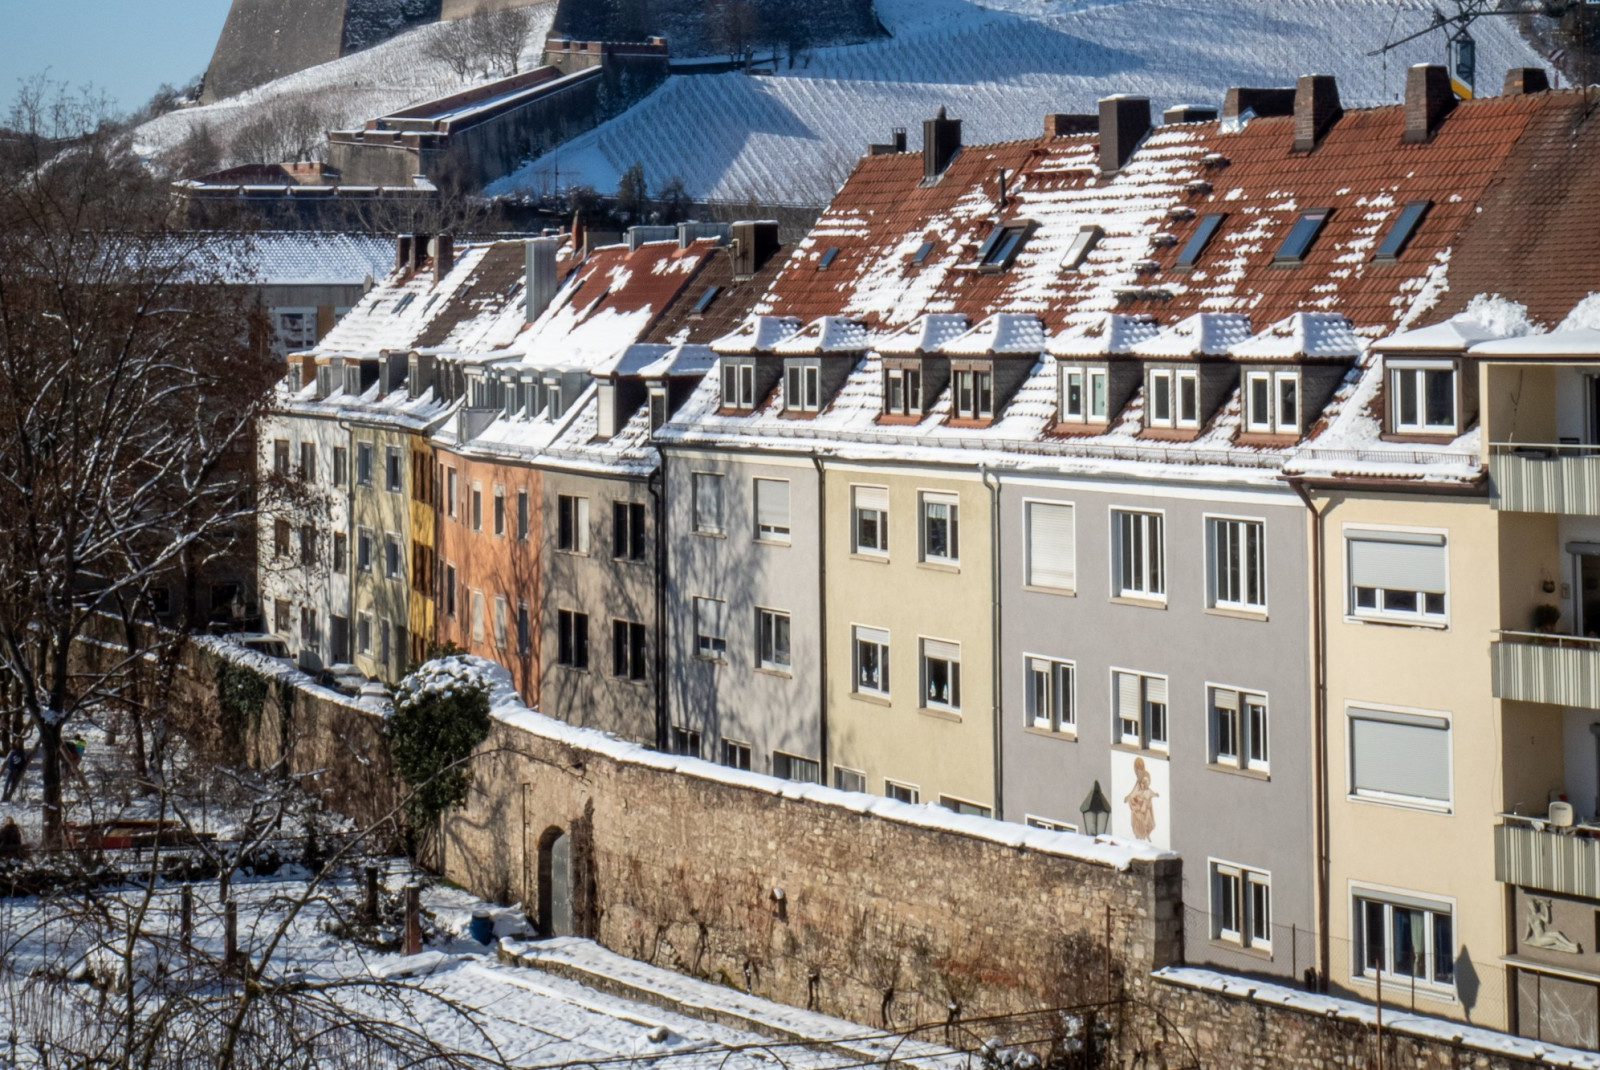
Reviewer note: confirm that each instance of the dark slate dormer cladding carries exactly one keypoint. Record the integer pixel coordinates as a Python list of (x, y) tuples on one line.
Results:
[(1096, 374), (816, 362), (1187, 377), (1288, 374), (988, 364), (914, 372), (747, 369)]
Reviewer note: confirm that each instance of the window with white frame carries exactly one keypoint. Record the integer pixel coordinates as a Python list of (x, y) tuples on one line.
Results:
[(364, 633), (1422, 396), (572, 523), (1238, 563), (452, 491), (1173, 398), (802, 389), (684, 741), (738, 384), (902, 392), (1050, 824), (1141, 710), (963, 806), (308, 461), (1410, 939), (340, 466), (1400, 757), (869, 528), (499, 510), (708, 503), (794, 767), (1272, 402), (849, 779), (974, 394), (735, 754), (941, 675), (772, 510), (1239, 728), (1139, 549), (1400, 576), (906, 793), (1051, 553), (363, 550), (1241, 905), (772, 640), (871, 656), (710, 638), (475, 499), (1083, 395), (628, 536), (941, 528), (1051, 694)]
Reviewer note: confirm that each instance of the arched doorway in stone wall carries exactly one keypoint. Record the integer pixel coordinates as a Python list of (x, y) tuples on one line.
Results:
[(555, 883)]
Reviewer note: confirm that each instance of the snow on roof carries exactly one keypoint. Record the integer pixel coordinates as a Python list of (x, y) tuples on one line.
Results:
[(1300, 336), (1204, 334), (825, 334), (299, 257), (1110, 334), (924, 334), (1575, 342), (1456, 334), (657, 360), (757, 334), (1018, 333)]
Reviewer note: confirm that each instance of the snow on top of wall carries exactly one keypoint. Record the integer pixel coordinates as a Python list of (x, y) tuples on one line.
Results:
[(444, 677)]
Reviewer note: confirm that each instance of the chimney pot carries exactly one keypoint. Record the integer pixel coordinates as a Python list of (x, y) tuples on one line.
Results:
[(1429, 99), (1264, 102), (941, 140), (1316, 107), (1523, 81), (1062, 124), (1189, 113), (444, 256), (1124, 121)]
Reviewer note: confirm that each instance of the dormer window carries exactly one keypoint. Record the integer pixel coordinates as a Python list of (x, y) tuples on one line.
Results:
[(802, 389), (1174, 399), (1083, 395), (1298, 241), (902, 394), (1422, 396), (1272, 403), (738, 384), (1002, 246), (555, 407), (658, 407), (324, 381), (974, 392)]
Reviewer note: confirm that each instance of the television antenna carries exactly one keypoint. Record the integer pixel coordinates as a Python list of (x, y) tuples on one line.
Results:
[(1463, 49)]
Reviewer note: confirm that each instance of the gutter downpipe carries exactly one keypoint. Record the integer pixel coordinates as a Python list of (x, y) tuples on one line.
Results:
[(822, 619), (656, 484), (1319, 740), (994, 635)]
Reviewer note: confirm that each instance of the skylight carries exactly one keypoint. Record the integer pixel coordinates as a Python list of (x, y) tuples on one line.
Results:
[(1395, 241), (1200, 238), (1301, 235), (1087, 238), (827, 257), (922, 253), (706, 298), (1002, 245), (400, 305)]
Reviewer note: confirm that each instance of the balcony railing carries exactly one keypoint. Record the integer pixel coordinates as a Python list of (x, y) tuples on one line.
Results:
[(1536, 477), (1563, 670), (1534, 854)]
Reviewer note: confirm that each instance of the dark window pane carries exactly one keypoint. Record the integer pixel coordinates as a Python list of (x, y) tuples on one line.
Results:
[(1200, 239)]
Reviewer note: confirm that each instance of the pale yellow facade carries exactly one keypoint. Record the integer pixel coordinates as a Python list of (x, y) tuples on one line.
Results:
[(380, 520), (900, 736)]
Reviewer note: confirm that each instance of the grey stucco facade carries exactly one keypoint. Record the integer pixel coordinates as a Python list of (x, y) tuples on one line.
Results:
[(1249, 817), (728, 695)]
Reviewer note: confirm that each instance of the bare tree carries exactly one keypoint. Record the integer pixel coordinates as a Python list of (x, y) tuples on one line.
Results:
[(503, 35), (458, 45), (286, 129), (129, 389)]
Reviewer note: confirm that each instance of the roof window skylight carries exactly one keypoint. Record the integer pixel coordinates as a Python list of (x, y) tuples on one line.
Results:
[(1301, 235), (828, 257), (1405, 224), (1086, 239), (706, 298), (400, 305), (1201, 237), (1002, 246), (922, 253)]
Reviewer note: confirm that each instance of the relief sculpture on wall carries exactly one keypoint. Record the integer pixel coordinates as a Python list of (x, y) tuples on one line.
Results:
[(1540, 934)]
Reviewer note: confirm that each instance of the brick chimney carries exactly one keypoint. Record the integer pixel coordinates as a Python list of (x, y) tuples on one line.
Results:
[(895, 144), (540, 282), (402, 252), (1189, 113), (1522, 81), (1062, 124), (1316, 107), (1429, 99), (1124, 121), (1263, 102), (941, 140), (444, 256), (419, 251)]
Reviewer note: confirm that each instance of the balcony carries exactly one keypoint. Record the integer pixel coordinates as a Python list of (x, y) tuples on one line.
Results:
[(1563, 670), (1534, 854), (1542, 478)]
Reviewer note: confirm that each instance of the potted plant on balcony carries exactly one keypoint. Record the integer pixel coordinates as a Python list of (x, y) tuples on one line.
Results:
[(1546, 618)]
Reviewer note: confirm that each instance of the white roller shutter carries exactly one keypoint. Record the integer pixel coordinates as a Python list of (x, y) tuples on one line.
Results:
[(873, 635), (1129, 707), (707, 502), (1225, 698), (1052, 553), (1155, 689), (772, 504), (1400, 754), (872, 498), (938, 648), (1398, 560)]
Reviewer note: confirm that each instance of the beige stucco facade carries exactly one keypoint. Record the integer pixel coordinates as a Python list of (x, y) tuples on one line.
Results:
[(380, 513), (944, 754)]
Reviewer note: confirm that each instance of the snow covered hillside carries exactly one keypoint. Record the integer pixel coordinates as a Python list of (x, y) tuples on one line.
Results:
[(340, 94), (999, 65)]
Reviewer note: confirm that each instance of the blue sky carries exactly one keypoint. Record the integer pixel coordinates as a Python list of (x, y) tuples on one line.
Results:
[(125, 47)]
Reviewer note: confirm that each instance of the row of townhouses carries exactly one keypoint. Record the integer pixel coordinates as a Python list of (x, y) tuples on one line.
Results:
[(1232, 480)]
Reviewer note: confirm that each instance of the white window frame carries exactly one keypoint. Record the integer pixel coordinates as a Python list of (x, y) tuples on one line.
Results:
[(900, 791), (710, 628), (364, 542), (502, 612), (739, 377), (910, 386), (577, 523), (705, 524), (772, 532), (1223, 534), (1416, 371), (857, 510), (738, 750), (795, 763), (1059, 584), (927, 501), (847, 779), (929, 651), (1055, 682), (394, 470), (1150, 556), (1389, 899), (802, 387), (767, 653), (1380, 610), (1251, 746), (1153, 731), (1248, 929), (1049, 824), (863, 634), (1093, 385), (972, 390), (1431, 720)]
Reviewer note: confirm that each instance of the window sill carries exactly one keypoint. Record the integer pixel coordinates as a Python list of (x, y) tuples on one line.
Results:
[(572, 668), (773, 542), (784, 674), (1420, 806), (1063, 736), (715, 659), (1142, 603), (940, 566), (1059, 592), (1238, 614), (1398, 622), (869, 697), (940, 714), (1149, 752), (711, 534), (876, 559), (1264, 954), (1395, 983), (1234, 770), (572, 553)]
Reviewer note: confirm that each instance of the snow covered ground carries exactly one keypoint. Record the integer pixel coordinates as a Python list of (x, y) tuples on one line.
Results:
[(999, 65)]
